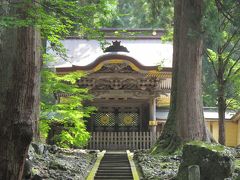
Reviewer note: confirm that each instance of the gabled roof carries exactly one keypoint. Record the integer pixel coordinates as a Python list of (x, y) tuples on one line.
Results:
[(112, 58), (148, 52)]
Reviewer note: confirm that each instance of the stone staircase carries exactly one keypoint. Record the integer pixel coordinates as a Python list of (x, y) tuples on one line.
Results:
[(114, 166)]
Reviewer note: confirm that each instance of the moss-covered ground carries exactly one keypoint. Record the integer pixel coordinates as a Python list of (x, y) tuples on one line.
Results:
[(165, 166), (157, 166)]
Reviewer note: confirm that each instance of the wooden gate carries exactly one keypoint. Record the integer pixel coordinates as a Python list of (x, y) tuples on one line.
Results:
[(117, 119), (122, 140)]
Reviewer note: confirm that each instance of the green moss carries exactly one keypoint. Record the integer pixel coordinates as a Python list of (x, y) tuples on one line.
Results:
[(237, 163), (210, 146), (215, 161), (35, 171), (96, 165), (168, 145)]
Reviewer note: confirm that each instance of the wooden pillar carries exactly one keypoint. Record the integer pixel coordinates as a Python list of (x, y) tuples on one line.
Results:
[(152, 118)]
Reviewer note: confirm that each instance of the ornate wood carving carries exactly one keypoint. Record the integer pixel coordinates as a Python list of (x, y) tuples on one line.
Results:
[(146, 84), (116, 68), (120, 80)]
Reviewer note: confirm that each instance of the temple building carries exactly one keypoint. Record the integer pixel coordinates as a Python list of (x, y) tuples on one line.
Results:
[(130, 81)]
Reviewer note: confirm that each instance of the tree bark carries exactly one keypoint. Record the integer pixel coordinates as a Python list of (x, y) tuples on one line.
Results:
[(185, 120), (19, 92), (221, 101)]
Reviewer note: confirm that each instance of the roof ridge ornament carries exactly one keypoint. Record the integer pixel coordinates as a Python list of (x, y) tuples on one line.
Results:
[(116, 47)]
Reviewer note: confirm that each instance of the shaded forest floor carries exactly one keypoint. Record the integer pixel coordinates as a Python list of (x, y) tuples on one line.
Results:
[(166, 167), (52, 162), (157, 166)]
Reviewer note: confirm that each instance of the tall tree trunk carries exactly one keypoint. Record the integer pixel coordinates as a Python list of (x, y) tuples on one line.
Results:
[(221, 101), (185, 120), (19, 79)]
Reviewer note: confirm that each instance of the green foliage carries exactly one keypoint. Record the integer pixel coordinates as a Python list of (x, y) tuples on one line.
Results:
[(56, 19), (210, 146), (143, 14), (59, 18), (222, 42), (67, 111)]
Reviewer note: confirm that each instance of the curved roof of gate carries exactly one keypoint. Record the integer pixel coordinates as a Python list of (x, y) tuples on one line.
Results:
[(114, 58), (147, 52)]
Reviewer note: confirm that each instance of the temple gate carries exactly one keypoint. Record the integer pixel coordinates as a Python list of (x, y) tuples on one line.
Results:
[(125, 93)]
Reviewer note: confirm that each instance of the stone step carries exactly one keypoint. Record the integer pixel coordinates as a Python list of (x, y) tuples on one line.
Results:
[(114, 159), (115, 156), (113, 177), (116, 171), (117, 159), (114, 167), (113, 164), (113, 174), (112, 155), (109, 161)]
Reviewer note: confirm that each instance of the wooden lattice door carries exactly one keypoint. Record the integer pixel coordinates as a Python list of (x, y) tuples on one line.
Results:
[(117, 119)]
